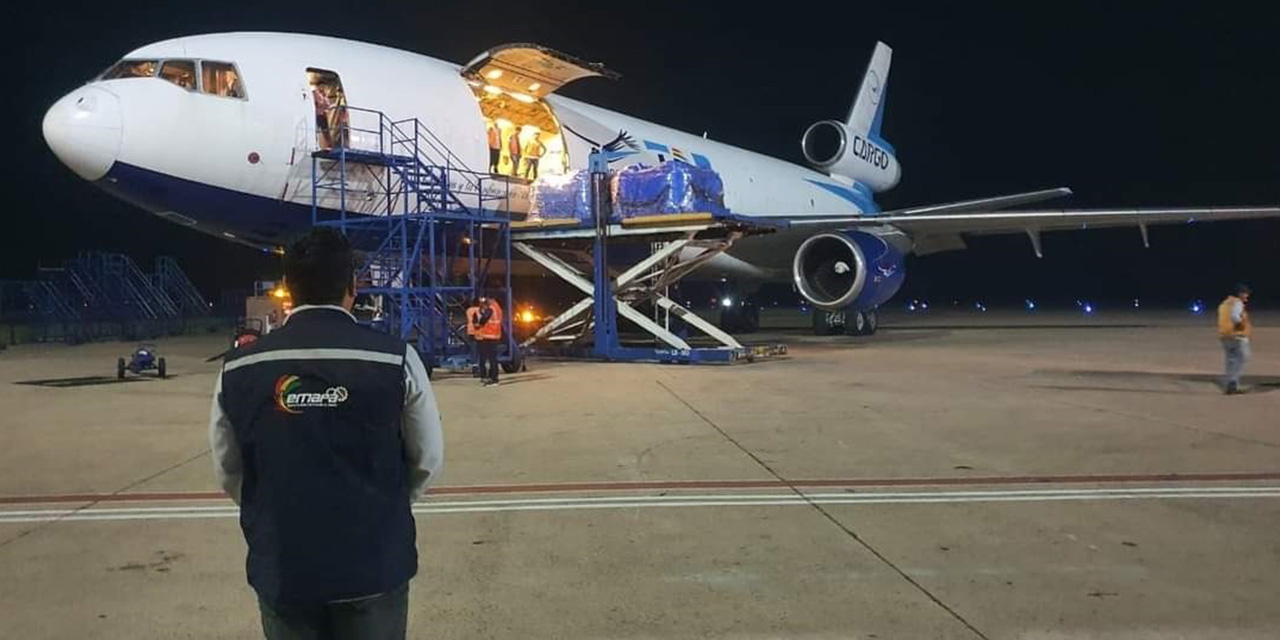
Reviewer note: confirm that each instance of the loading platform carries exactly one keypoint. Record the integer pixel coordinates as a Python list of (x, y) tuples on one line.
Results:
[(681, 243)]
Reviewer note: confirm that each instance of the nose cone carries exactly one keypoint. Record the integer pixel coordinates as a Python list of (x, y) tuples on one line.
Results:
[(83, 129)]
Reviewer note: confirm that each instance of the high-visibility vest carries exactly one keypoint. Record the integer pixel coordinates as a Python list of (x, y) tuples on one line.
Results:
[(1227, 328), (492, 329), (494, 138), (471, 319), (513, 144)]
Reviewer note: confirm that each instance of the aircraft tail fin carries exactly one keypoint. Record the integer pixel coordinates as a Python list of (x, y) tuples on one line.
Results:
[(868, 107)]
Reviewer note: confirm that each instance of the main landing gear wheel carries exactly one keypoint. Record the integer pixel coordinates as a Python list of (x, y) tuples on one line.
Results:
[(828, 323), (862, 323)]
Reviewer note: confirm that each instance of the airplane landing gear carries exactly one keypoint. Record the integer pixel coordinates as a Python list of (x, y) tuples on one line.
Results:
[(851, 323)]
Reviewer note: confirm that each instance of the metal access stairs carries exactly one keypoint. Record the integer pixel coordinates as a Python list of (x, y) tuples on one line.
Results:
[(426, 225), (172, 281)]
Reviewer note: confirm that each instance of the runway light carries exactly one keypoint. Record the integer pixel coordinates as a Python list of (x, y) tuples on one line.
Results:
[(1197, 307), (1088, 308), (1031, 304), (1135, 303), (979, 307), (494, 74), (726, 302), (924, 306)]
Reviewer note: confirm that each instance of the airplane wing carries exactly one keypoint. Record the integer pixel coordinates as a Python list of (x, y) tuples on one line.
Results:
[(995, 203), (943, 231)]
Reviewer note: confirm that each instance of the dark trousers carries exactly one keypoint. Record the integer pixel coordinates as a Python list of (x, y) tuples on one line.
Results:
[(495, 155), (382, 617), (488, 359)]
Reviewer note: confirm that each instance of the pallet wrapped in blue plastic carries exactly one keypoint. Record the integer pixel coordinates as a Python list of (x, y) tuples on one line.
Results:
[(566, 197), (672, 187)]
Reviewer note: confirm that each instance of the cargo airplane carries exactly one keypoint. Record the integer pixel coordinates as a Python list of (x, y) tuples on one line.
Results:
[(216, 132)]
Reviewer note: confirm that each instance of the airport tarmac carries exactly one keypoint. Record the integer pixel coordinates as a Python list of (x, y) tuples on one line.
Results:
[(961, 475)]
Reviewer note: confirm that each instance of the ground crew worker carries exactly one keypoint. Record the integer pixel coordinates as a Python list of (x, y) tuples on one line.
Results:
[(325, 433), (488, 332), (513, 149), (495, 147), (473, 308), (322, 106), (1235, 330), (533, 152)]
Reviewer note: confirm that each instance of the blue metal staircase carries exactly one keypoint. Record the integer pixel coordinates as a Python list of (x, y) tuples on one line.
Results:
[(428, 229), (172, 281)]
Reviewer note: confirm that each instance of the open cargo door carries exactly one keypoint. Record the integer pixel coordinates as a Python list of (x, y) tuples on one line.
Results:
[(524, 69)]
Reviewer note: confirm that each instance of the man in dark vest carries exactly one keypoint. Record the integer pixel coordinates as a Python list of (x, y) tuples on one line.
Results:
[(325, 433)]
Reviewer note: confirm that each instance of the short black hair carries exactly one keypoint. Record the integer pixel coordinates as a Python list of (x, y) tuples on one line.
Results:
[(318, 267), (1242, 288)]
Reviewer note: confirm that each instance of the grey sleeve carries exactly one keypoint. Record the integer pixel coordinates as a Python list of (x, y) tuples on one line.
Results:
[(1237, 312), (228, 466), (420, 427)]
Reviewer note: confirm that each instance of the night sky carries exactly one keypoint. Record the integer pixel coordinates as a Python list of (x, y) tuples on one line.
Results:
[(1138, 106)]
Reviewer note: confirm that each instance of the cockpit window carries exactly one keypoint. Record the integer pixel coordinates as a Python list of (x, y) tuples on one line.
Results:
[(131, 69), (180, 72), (220, 79)]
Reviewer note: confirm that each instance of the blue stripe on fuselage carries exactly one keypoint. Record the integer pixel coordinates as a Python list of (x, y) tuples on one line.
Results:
[(250, 217)]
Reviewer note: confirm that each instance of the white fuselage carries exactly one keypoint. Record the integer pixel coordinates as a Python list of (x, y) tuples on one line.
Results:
[(241, 167)]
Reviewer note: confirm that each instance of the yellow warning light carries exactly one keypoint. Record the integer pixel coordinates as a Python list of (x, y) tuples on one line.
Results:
[(527, 316), (279, 292)]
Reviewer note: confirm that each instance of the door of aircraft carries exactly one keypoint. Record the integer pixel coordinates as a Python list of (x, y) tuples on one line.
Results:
[(325, 101)]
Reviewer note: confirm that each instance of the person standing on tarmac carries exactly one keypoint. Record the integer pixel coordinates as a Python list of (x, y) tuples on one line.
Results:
[(473, 308), (1235, 330), (325, 433), (488, 331)]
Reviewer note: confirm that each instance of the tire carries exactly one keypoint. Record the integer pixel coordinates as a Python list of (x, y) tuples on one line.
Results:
[(160, 368), (120, 368), (824, 324), (516, 365), (873, 322), (856, 324)]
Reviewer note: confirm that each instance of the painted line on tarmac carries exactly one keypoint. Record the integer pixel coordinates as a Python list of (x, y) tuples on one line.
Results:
[(694, 485), (638, 502)]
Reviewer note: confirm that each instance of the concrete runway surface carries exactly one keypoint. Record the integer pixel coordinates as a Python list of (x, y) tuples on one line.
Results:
[(956, 476)]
